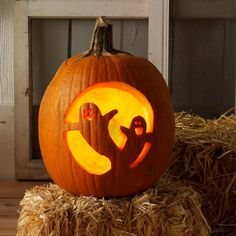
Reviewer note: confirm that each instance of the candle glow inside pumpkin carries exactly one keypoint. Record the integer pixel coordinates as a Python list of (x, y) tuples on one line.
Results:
[(108, 96)]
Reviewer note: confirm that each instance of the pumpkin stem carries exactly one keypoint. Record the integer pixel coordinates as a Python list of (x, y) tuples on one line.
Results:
[(102, 43)]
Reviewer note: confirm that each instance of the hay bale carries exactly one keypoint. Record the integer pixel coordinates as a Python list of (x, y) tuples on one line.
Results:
[(204, 157), (167, 209)]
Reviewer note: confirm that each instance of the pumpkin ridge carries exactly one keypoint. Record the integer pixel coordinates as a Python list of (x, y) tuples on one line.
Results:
[(57, 84), (116, 162), (80, 173), (104, 72), (91, 81), (62, 104), (119, 69), (121, 73), (112, 158), (85, 77), (66, 101), (166, 104), (71, 158), (129, 77)]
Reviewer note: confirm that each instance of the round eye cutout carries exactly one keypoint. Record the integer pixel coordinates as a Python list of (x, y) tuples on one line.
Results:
[(138, 123), (88, 114)]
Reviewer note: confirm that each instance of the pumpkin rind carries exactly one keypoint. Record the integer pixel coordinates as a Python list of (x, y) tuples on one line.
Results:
[(72, 78)]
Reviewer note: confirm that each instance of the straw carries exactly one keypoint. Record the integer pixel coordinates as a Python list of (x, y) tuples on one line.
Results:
[(204, 157), (168, 209)]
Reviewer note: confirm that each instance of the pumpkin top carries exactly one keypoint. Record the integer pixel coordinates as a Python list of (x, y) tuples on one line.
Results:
[(102, 43)]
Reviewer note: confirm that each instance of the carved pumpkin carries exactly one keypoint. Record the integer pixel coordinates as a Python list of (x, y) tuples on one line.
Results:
[(106, 122)]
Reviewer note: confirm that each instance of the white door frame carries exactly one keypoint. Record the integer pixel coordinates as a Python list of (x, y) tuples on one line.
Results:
[(157, 13)]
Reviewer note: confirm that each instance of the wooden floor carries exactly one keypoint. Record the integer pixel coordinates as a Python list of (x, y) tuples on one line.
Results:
[(11, 192)]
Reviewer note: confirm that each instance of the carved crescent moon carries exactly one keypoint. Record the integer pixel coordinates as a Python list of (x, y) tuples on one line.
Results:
[(107, 96)]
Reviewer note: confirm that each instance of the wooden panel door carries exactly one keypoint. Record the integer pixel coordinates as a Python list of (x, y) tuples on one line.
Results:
[(56, 27)]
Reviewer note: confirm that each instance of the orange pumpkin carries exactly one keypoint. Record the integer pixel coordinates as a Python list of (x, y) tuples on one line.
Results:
[(106, 121)]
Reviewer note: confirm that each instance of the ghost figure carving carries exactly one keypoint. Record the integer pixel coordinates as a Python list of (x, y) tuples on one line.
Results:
[(138, 141), (90, 116)]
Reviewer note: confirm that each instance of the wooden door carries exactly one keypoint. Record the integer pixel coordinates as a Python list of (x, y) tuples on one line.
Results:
[(47, 32)]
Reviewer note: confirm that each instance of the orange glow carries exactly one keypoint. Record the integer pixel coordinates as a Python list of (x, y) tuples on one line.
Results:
[(141, 156), (139, 130), (85, 155), (109, 96), (88, 114)]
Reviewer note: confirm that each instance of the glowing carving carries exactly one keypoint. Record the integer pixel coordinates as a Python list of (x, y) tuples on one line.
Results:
[(137, 133), (88, 114), (141, 156), (90, 160), (133, 111)]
